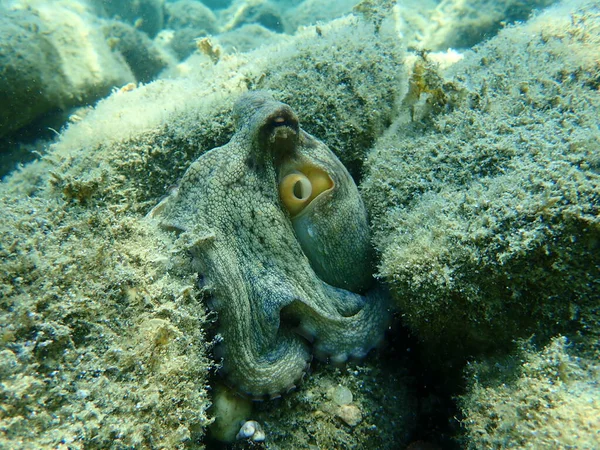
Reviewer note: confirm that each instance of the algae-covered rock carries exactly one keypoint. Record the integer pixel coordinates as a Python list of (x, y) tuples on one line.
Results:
[(103, 324), (310, 12), (267, 13), (439, 25), (102, 335), (52, 56), (146, 15), (188, 20), (248, 37), (534, 399), (142, 56), (484, 193), (190, 14)]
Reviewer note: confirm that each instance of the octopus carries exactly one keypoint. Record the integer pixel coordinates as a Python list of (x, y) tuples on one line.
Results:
[(279, 235)]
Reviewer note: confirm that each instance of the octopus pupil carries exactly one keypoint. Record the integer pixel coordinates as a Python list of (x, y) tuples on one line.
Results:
[(298, 190)]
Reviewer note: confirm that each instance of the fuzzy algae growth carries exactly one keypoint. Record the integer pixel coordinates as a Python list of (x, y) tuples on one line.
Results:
[(484, 192), (535, 399), (484, 196), (102, 340)]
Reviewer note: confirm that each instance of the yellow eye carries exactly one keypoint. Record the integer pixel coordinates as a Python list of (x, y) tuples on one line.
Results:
[(295, 190), (299, 187)]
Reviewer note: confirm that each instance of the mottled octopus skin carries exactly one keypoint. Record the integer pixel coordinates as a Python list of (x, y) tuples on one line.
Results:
[(270, 302)]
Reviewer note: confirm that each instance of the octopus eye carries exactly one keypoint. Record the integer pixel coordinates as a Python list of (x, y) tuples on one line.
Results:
[(300, 187), (295, 190)]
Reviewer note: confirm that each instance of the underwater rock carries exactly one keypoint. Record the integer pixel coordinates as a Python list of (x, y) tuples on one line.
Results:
[(52, 57), (310, 12), (102, 338), (217, 4), (438, 26), (183, 14), (485, 208), (535, 398), (350, 414), (262, 12), (279, 235), (145, 15), (249, 37), (143, 57), (382, 414), (188, 20)]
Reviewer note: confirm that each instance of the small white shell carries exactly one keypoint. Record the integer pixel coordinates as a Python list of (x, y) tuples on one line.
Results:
[(252, 430)]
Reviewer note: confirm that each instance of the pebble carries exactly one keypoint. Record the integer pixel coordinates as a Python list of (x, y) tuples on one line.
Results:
[(342, 395), (350, 414)]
